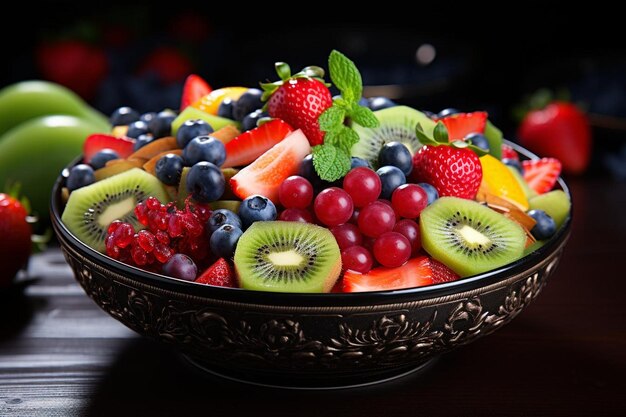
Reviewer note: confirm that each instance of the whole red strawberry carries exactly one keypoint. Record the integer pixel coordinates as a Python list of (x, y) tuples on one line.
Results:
[(299, 100), (559, 130), (15, 243)]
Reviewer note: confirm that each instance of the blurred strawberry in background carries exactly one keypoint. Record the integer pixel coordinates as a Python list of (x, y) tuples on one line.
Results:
[(169, 64), (15, 237)]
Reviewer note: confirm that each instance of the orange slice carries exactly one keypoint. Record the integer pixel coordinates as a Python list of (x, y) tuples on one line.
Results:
[(499, 181), (211, 102)]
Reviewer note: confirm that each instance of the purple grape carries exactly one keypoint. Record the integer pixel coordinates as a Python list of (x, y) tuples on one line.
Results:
[(180, 266)]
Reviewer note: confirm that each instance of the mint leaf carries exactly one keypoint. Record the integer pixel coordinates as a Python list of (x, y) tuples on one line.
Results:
[(347, 138), (363, 116), (331, 118), (440, 133), (345, 76), (330, 162)]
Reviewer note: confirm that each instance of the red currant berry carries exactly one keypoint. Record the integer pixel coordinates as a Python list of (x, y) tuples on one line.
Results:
[(296, 215), (354, 219), (411, 230), (333, 206), (357, 258), (295, 192), (347, 235), (376, 218), (408, 200), (391, 249), (387, 202), (363, 185)]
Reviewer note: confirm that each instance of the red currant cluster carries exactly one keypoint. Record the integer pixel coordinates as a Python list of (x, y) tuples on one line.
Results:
[(168, 231)]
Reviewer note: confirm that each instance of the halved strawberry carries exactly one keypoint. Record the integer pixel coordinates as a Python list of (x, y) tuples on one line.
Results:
[(219, 274), (265, 175), (462, 124), (248, 146), (509, 153), (195, 88), (417, 272), (97, 142), (541, 174)]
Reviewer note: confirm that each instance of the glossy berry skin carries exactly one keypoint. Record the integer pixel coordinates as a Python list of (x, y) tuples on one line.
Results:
[(192, 129), (356, 162), (161, 125), (478, 139), (142, 141), (225, 108), (136, 129), (396, 154), (296, 215), (392, 249), (180, 266), (15, 241), (347, 235), (357, 258), (146, 117), (431, 192), (169, 169), (123, 116), (224, 240), (247, 103), (221, 217), (307, 170), (391, 178), (256, 208), (411, 230), (333, 206), (447, 112), (363, 185), (545, 227), (100, 159), (452, 171), (80, 176), (379, 103), (376, 218), (204, 148), (295, 192), (250, 121), (205, 182), (408, 200)]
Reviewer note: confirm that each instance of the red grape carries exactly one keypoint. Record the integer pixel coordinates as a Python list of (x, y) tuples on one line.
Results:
[(392, 249), (295, 192), (296, 215), (409, 200), (363, 185), (411, 230), (357, 258), (376, 218), (333, 206), (347, 235)]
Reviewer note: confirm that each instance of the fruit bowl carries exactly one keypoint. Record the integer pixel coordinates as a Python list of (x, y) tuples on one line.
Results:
[(309, 340)]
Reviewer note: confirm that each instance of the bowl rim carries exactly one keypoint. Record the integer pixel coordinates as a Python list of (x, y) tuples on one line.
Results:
[(312, 299)]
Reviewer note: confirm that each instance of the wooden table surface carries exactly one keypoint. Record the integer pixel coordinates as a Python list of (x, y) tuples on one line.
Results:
[(60, 355)]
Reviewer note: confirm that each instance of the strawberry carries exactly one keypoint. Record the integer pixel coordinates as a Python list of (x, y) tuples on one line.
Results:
[(194, 89), (98, 141), (559, 130), (509, 153), (248, 146), (219, 274), (417, 272), (15, 241), (167, 63), (460, 125), (299, 100), (541, 174)]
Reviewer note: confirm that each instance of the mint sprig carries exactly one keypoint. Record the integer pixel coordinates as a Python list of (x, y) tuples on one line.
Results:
[(332, 159)]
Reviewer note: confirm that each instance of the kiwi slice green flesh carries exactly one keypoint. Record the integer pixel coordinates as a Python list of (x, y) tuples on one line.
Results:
[(468, 237), (555, 203), (287, 257), (397, 124), (91, 209)]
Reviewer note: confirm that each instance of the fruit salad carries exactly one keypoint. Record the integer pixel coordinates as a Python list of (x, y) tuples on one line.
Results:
[(289, 189)]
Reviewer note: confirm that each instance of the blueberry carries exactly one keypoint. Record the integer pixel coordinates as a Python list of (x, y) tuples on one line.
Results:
[(204, 148), (123, 116), (431, 192), (226, 108), (514, 163), (224, 240), (205, 182), (545, 227), (146, 117), (429, 114), (247, 103), (169, 169), (250, 121), (180, 266), (142, 140), (379, 103), (391, 178), (448, 112), (192, 129), (161, 125), (136, 129), (307, 170), (356, 162), (478, 139), (256, 208), (80, 176), (100, 159), (221, 217), (396, 154)]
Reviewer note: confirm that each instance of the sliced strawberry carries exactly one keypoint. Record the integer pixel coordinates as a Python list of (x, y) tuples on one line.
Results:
[(97, 142), (417, 272), (541, 174), (248, 146), (509, 153), (219, 274), (462, 124), (195, 88), (265, 175)]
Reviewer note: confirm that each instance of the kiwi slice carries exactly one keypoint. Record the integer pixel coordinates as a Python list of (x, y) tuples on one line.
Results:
[(397, 124), (91, 209), (555, 203), (468, 237), (287, 257)]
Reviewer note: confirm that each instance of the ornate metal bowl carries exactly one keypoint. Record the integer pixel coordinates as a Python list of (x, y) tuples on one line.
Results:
[(308, 340)]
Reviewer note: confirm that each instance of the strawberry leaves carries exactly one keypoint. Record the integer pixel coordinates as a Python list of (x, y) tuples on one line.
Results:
[(440, 137)]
